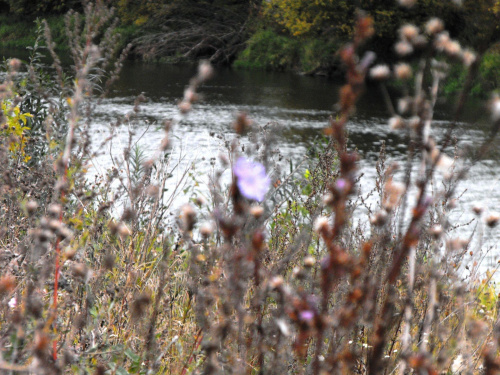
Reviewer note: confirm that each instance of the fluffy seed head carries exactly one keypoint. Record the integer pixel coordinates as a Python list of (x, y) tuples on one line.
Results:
[(434, 26), (453, 48), (396, 123), (403, 71), (403, 48), (468, 57), (321, 224), (256, 211), (380, 72), (495, 108), (309, 261), (206, 229), (205, 71), (408, 32)]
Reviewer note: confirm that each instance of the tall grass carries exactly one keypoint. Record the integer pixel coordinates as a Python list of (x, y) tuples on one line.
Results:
[(266, 275)]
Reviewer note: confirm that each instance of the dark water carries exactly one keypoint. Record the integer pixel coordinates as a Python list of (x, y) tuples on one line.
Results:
[(297, 106)]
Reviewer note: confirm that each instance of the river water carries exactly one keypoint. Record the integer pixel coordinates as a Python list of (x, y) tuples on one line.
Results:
[(301, 106)]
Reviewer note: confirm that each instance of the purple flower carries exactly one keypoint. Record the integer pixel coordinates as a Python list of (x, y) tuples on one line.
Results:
[(252, 180), (306, 315)]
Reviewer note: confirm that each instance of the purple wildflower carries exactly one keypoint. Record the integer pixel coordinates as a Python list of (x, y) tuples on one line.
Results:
[(252, 180), (306, 315)]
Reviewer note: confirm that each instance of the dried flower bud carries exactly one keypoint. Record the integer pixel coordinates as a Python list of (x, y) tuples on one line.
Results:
[(453, 48), (64, 233), (441, 40), (403, 71), (14, 64), (200, 201), (328, 199), (403, 48), (452, 203), (206, 229), (7, 284), (434, 26), (55, 210), (152, 191), (190, 95), (396, 123), (478, 210), (495, 108), (468, 57), (309, 261), (123, 230), (408, 32), (436, 231), (69, 253), (404, 105), (380, 72), (184, 107), (414, 122), (492, 219), (380, 218), (276, 282), (393, 192), (188, 217), (321, 224), (31, 207), (205, 71), (256, 211), (242, 123), (80, 271)]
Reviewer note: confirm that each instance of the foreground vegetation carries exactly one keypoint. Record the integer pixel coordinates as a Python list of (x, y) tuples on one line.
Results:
[(267, 274)]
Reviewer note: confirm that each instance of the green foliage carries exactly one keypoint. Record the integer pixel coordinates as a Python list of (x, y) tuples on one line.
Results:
[(269, 50), (18, 32), (33, 8), (487, 80)]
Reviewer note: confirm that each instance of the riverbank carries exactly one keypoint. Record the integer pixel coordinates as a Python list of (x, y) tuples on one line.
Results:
[(261, 48)]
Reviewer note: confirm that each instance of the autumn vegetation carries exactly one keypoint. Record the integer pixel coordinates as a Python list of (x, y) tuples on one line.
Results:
[(267, 273)]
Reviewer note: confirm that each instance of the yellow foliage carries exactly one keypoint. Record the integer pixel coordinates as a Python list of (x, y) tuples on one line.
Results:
[(15, 129), (300, 17)]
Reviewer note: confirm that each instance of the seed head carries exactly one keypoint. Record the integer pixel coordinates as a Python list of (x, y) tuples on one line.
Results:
[(380, 72), (495, 108), (453, 48), (408, 32), (436, 231), (396, 123), (492, 219), (206, 229), (478, 210), (188, 217), (468, 57), (256, 211), (321, 224), (403, 48), (205, 71), (31, 207), (309, 261), (403, 71), (434, 26), (276, 282)]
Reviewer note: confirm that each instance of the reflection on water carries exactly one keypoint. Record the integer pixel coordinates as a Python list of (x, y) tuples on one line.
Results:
[(301, 105)]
